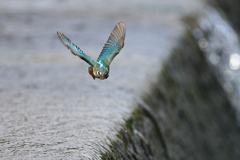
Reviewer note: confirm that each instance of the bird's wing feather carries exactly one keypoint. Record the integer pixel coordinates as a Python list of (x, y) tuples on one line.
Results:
[(75, 49), (113, 45)]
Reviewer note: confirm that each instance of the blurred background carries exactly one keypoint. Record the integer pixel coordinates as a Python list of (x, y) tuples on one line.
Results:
[(51, 107)]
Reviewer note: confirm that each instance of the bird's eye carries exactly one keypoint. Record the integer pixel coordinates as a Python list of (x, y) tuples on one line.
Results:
[(98, 73)]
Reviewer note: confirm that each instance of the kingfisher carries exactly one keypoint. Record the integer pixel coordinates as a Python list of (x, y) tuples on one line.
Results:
[(99, 68)]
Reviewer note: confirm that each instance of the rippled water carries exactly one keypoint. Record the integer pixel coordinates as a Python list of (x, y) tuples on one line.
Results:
[(50, 107)]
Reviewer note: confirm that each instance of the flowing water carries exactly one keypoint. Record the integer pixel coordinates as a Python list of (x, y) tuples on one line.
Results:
[(220, 43)]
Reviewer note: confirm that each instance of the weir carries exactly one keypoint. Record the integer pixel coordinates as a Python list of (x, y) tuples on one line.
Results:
[(187, 113), (172, 92)]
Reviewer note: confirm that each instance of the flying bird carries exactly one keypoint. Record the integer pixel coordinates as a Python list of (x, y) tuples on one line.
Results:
[(99, 68)]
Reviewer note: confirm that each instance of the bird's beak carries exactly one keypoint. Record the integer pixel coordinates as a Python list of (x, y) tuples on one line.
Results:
[(104, 76)]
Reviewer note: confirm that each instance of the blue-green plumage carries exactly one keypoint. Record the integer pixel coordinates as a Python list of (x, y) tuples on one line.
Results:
[(100, 68)]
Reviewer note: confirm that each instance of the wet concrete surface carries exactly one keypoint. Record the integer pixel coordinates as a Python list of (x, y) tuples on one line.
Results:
[(50, 107)]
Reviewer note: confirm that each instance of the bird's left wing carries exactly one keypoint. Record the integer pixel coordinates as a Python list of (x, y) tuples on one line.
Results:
[(113, 45), (75, 49)]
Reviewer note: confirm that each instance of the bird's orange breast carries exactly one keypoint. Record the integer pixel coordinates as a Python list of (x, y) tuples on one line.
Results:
[(90, 71)]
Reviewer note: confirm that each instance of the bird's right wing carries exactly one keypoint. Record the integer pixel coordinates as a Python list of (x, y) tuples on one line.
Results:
[(75, 49), (113, 45)]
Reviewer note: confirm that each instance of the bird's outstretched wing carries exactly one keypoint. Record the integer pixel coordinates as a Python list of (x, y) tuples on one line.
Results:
[(113, 45), (75, 49)]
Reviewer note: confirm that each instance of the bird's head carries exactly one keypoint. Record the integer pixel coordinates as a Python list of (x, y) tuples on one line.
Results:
[(98, 72)]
